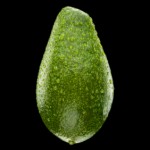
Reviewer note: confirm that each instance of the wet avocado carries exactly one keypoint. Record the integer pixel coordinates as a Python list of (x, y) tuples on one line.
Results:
[(74, 88)]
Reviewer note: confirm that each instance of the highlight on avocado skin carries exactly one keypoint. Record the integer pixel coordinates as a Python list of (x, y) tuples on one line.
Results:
[(74, 90)]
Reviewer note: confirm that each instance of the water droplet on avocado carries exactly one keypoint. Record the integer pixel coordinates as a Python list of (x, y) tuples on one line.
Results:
[(102, 91), (84, 112), (110, 81), (55, 68), (58, 80), (61, 90), (96, 91), (61, 36), (55, 87), (86, 88), (92, 97), (71, 142)]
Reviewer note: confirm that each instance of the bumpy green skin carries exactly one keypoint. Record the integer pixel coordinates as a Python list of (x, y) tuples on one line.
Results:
[(74, 87)]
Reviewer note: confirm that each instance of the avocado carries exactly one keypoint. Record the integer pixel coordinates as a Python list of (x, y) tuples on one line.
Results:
[(74, 90)]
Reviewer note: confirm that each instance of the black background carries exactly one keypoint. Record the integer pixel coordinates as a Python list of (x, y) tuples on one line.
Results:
[(28, 29)]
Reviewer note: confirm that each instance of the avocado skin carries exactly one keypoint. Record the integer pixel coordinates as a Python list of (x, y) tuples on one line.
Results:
[(74, 88)]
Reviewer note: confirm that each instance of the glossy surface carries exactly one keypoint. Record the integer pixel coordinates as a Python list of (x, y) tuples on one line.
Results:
[(74, 86)]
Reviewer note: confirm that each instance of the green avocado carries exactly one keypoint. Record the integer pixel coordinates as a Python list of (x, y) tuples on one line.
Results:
[(74, 90)]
